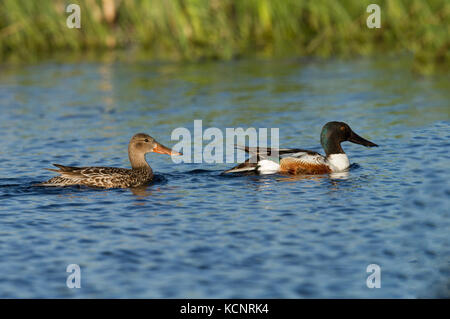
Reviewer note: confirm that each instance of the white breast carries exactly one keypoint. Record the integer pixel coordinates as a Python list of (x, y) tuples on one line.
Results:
[(338, 162)]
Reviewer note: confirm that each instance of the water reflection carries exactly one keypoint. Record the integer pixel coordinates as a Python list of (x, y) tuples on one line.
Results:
[(142, 191), (340, 175), (105, 85), (296, 178), (289, 178)]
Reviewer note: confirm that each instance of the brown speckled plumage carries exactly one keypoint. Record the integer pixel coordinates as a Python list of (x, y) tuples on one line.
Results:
[(112, 177)]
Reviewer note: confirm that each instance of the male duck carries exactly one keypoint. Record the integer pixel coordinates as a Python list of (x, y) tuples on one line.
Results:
[(112, 177), (300, 161)]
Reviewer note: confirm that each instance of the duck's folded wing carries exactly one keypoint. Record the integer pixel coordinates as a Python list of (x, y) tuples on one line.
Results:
[(86, 172), (262, 157), (69, 171), (92, 176), (265, 151)]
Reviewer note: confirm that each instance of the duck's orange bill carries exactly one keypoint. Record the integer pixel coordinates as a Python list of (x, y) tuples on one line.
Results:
[(161, 149)]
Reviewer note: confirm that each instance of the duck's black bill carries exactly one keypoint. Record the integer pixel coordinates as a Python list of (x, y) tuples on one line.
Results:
[(355, 138)]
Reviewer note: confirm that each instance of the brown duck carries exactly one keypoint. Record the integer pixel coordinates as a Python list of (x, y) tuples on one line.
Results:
[(112, 177)]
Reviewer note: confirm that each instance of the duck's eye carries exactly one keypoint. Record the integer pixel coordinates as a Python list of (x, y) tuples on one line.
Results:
[(146, 140), (342, 128)]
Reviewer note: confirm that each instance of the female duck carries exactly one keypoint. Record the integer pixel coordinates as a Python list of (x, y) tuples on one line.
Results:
[(112, 177), (300, 161)]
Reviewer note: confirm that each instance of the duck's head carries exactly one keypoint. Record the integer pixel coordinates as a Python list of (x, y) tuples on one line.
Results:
[(142, 143), (334, 133)]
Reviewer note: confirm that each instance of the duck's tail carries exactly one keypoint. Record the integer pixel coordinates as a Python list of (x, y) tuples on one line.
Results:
[(248, 166), (67, 176)]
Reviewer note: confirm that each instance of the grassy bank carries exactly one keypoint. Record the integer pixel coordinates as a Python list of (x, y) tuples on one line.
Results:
[(224, 29)]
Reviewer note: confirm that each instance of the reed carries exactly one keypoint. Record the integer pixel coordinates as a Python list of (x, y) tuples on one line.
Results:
[(225, 29)]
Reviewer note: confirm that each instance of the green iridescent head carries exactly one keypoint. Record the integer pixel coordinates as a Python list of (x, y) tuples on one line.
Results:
[(334, 133)]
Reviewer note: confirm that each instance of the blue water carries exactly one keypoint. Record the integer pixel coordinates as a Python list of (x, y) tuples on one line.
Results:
[(196, 233)]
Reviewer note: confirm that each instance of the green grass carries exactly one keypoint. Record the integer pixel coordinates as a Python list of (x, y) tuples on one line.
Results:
[(226, 29)]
